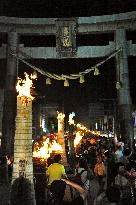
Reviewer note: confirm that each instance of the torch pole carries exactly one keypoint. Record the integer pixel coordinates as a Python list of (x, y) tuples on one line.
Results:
[(71, 146)]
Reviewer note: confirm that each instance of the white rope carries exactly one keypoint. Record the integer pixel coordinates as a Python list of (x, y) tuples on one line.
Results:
[(62, 76)]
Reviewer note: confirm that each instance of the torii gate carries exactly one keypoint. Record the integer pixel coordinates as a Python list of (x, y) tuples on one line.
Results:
[(65, 31)]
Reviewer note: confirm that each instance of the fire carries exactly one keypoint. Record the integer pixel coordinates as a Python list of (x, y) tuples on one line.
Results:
[(46, 149), (23, 88), (77, 138), (60, 116), (82, 127)]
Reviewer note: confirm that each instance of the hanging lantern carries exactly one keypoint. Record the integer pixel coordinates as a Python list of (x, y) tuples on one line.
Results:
[(48, 81), (34, 75), (82, 79), (96, 71), (118, 85), (66, 83)]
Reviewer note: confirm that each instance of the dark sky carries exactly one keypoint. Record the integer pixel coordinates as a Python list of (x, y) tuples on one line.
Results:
[(64, 8), (102, 86)]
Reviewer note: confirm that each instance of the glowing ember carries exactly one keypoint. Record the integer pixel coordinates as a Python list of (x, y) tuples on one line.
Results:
[(23, 88), (77, 138), (46, 149)]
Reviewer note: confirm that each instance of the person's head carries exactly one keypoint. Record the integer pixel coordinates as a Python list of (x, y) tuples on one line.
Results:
[(57, 189), (57, 158), (49, 161), (121, 170), (21, 190), (107, 154), (113, 194), (102, 149), (77, 162), (99, 158), (130, 168), (119, 147), (83, 163), (127, 152)]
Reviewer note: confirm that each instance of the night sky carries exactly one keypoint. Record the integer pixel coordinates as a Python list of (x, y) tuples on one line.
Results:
[(95, 87), (64, 8)]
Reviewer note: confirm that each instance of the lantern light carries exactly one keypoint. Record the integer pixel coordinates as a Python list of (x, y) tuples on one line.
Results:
[(118, 85), (66, 83), (48, 81), (81, 80), (96, 71), (34, 75)]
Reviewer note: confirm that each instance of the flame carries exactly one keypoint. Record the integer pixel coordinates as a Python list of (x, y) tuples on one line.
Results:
[(77, 138), (82, 127), (23, 89), (61, 116), (55, 147), (46, 149)]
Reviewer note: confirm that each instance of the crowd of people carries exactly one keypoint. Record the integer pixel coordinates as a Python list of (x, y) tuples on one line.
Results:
[(104, 174)]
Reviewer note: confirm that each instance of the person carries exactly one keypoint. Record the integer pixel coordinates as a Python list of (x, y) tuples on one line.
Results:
[(56, 170), (84, 172), (113, 195), (119, 153), (111, 167), (122, 181), (57, 192), (94, 189), (109, 197), (91, 159), (22, 192), (100, 171), (10, 167), (125, 158)]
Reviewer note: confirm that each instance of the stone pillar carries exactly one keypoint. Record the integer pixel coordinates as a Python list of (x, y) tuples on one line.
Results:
[(9, 109), (1, 109), (23, 165), (9, 106), (60, 139), (124, 98)]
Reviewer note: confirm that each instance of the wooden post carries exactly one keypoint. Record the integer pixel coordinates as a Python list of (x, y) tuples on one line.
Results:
[(60, 139), (71, 141)]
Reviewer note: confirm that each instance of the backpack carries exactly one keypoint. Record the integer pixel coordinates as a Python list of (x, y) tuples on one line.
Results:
[(99, 169), (90, 176), (123, 185), (77, 178)]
